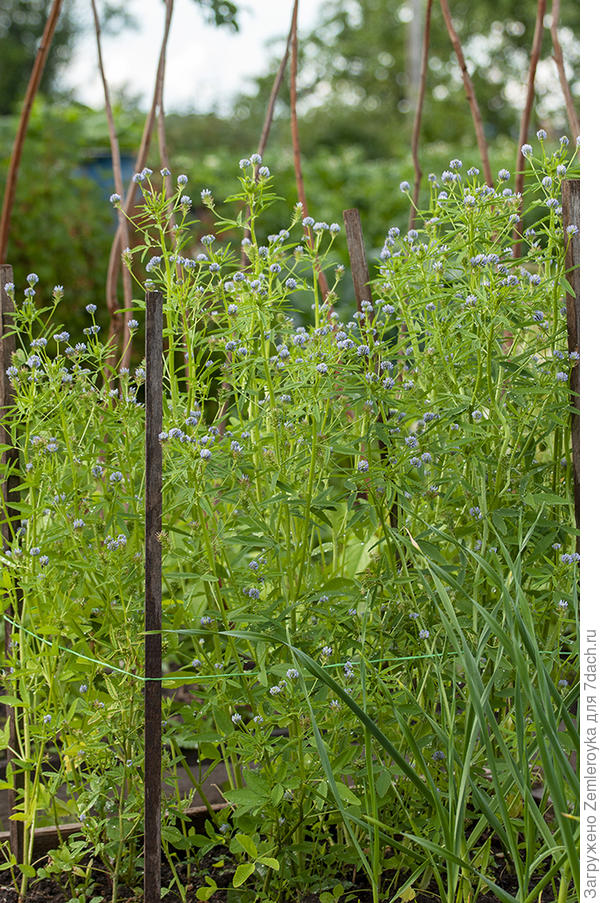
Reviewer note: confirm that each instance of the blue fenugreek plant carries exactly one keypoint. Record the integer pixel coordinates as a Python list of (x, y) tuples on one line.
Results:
[(369, 565)]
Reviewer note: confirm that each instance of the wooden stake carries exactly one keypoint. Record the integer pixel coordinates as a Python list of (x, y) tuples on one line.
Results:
[(153, 599), (358, 258), (10, 498), (570, 206)]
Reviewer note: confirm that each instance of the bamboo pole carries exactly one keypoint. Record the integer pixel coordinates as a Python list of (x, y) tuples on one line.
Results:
[(123, 230), (116, 319), (560, 65), (536, 50), (296, 142), (419, 115), (469, 91)]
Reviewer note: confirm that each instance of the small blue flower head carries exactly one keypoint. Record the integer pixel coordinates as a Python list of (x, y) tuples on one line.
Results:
[(563, 141), (236, 718), (405, 186), (165, 172), (322, 369), (476, 512), (34, 551), (137, 178), (146, 172), (476, 415), (561, 170), (115, 199), (132, 324), (572, 229), (47, 718), (308, 221), (563, 603), (205, 454), (185, 200), (9, 288), (244, 163), (455, 164), (335, 228), (362, 466), (547, 181), (562, 377), (264, 172), (423, 634), (527, 150), (116, 476), (83, 688), (153, 263), (78, 523), (538, 315), (91, 308), (292, 674), (182, 180), (33, 278), (541, 134), (256, 159), (473, 171), (504, 175)]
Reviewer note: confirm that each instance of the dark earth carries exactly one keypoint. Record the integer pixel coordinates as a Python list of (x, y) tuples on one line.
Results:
[(47, 891)]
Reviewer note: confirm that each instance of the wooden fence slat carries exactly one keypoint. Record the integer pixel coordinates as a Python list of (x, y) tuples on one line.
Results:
[(153, 599), (10, 460), (570, 206)]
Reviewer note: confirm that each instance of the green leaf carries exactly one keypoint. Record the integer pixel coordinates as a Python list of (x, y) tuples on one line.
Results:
[(346, 794), (269, 862), (247, 844), (242, 873), (205, 893)]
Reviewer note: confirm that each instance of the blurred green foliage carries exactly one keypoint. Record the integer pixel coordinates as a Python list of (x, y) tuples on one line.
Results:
[(356, 115)]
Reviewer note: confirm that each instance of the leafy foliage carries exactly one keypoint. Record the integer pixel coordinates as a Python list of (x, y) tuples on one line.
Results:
[(371, 514)]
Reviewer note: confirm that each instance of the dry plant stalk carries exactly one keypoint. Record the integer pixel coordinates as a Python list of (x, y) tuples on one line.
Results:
[(419, 115), (264, 137), (296, 142), (536, 50), (15, 159), (560, 65), (116, 319), (164, 162), (123, 230), (469, 91)]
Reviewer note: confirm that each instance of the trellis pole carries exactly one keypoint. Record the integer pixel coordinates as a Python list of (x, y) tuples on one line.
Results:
[(153, 599), (570, 207), (10, 498)]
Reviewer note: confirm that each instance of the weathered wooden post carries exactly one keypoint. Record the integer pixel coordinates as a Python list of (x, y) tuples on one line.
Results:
[(358, 257), (10, 496), (153, 599), (362, 292), (570, 206)]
